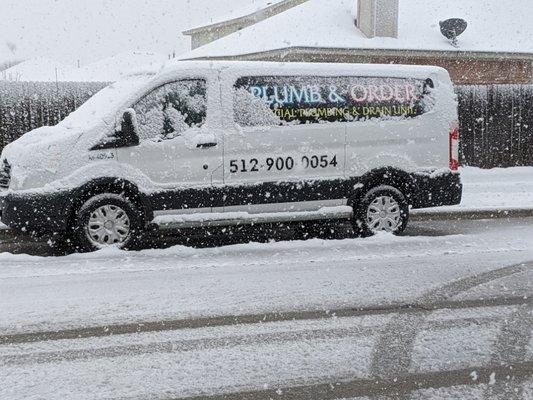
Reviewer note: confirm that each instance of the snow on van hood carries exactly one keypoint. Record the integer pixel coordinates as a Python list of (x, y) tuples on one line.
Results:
[(40, 152), (37, 143), (44, 136)]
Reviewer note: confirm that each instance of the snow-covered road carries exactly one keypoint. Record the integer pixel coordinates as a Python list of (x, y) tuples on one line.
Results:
[(263, 318), (314, 359), (114, 287)]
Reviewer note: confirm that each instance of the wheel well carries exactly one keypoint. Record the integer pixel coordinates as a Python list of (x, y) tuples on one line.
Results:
[(396, 178), (110, 185)]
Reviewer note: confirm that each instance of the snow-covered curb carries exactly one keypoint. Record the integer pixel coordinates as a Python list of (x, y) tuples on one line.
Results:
[(463, 213), (492, 193), (498, 188)]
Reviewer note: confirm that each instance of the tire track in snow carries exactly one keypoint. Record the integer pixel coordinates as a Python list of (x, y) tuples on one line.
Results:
[(393, 352), (372, 387), (511, 346), (206, 322), (191, 345)]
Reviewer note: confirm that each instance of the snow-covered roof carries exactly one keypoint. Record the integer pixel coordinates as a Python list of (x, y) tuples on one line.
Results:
[(107, 70), (494, 26), (8, 62), (235, 13)]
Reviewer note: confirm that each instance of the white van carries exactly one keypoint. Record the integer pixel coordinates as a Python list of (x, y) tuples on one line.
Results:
[(220, 143)]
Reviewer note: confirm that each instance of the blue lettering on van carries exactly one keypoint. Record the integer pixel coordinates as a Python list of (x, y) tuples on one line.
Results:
[(288, 95)]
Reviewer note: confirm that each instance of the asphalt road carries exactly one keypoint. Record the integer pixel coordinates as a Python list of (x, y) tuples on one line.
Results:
[(464, 333)]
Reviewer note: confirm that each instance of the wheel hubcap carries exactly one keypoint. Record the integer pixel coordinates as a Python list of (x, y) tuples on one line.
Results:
[(384, 214), (108, 225)]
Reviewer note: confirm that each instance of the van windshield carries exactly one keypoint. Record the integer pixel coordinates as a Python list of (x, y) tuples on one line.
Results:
[(104, 105)]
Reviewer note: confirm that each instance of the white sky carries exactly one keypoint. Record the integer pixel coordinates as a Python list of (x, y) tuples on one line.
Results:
[(89, 30)]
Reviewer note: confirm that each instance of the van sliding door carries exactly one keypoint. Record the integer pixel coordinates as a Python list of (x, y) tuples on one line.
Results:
[(286, 149)]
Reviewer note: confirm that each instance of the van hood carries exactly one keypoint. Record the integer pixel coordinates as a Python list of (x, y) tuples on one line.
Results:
[(36, 157), (40, 142)]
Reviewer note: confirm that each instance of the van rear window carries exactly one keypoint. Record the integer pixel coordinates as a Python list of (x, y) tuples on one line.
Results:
[(303, 100)]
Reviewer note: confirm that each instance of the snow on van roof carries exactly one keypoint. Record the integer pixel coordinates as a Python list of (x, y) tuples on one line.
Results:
[(494, 26), (300, 68)]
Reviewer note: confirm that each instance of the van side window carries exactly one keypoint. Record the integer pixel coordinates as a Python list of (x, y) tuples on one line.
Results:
[(282, 100), (170, 110)]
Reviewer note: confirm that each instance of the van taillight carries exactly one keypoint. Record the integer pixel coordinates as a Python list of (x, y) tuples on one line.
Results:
[(454, 148)]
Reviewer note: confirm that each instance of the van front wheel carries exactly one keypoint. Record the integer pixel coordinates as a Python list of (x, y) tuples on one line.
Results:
[(107, 220), (382, 209)]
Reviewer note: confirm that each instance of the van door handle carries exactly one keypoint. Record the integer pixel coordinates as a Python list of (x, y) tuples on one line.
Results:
[(206, 145)]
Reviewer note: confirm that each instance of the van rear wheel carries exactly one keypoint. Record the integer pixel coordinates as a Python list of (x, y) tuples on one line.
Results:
[(107, 220), (382, 209)]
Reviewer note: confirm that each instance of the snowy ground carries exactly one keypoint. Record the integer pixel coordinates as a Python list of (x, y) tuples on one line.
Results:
[(115, 287), (185, 322), (499, 188), (443, 312), (272, 357)]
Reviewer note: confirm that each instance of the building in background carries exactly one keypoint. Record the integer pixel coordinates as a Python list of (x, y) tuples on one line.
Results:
[(233, 23), (497, 47)]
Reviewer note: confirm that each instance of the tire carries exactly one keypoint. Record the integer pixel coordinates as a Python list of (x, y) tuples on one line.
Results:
[(107, 220), (383, 208)]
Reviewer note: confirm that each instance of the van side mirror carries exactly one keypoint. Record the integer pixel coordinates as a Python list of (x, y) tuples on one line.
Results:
[(128, 129), (127, 136)]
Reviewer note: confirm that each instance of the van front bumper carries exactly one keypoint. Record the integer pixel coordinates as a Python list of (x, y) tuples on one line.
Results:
[(36, 214), (437, 189)]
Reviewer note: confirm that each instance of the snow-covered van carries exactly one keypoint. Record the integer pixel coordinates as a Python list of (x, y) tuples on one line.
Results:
[(219, 143)]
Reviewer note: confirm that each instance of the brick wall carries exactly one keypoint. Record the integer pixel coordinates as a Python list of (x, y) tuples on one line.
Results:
[(474, 72), (463, 70)]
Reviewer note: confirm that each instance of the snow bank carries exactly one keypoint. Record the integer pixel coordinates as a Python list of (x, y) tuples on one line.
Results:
[(116, 67), (498, 188), (107, 70), (39, 70), (8, 62)]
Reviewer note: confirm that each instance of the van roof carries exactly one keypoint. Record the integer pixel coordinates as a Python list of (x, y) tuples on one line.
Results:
[(277, 68)]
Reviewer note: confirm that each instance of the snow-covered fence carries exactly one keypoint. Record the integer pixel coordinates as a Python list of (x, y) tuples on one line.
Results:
[(28, 105), (496, 125)]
